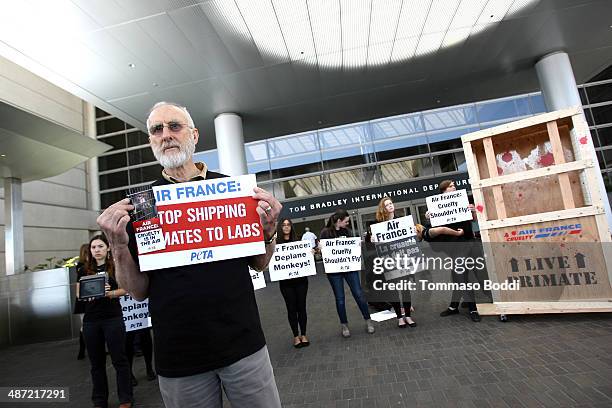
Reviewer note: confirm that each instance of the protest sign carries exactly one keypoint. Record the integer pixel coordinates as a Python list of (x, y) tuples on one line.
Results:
[(259, 281), (135, 314), (202, 221), (341, 254), (392, 230), (448, 208), (292, 260)]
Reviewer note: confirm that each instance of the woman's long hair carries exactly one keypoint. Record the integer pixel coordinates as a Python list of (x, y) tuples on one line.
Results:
[(381, 211), (84, 254), (281, 235), (90, 266), (340, 214)]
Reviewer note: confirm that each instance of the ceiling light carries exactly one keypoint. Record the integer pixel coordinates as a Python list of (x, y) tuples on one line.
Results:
[(132, 65), (355, 33), (2, 155)]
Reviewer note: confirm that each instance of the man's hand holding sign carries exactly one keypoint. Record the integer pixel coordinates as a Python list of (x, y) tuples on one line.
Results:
[(192, 261)]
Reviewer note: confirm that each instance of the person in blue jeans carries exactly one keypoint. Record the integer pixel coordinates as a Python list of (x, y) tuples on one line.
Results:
[(336, 228)]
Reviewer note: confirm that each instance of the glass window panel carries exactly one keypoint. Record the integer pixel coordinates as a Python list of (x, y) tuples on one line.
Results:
[(537, 104), (108, 181), (600, 159), (583, 97), (143, 174), (356, 134), (522, 106), (499, 110), (110, 126), (118, 141), (405, 170), (352, 179), (100, 113), (449, 139), (445, 163), (403, 147), (107, 199), (137, 139), (607, 156), (256, 151), (293, 171), (113, 161), (600, 93), (397, 126), (605, 136), (293, 145), (209, 157), (139, 156), (601, 115), (449, 117), (347, 161), (299, 187)]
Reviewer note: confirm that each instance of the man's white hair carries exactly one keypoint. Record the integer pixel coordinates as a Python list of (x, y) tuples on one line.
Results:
[(164, 103)]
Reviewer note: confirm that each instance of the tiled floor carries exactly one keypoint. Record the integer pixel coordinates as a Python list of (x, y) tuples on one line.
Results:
[(530, 361)]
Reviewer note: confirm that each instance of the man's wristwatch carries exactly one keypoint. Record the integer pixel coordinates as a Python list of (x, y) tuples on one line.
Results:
[(272, 238)]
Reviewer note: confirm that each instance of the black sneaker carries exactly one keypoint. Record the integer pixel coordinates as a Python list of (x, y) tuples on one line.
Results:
[(475, 316), (449, 312)]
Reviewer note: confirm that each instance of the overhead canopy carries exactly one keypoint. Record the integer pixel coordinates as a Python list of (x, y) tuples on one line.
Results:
[(33, 148), (291, 65)]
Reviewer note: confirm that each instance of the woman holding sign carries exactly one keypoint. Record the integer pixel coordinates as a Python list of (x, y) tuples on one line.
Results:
[(336, 228), (294, 291), (103, 324), (386, 212)]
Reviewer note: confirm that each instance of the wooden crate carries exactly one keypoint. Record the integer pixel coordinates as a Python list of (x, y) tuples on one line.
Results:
[(541, 214)]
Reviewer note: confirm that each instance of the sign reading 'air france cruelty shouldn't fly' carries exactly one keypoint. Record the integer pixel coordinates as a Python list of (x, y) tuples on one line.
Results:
[(292, 260), (341, 254), (205, 221), (448, 208)]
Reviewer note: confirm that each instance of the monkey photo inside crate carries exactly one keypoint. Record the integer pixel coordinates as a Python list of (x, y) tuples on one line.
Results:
[(92, 287)]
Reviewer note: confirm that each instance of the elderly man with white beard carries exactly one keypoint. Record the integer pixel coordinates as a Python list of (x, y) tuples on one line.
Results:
[(207, 331)]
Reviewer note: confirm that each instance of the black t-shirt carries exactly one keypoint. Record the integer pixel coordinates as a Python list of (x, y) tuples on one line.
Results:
[(204, 316), (102, 308), (327, 233)]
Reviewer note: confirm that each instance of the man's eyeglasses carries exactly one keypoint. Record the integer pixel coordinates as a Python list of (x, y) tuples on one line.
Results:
[(173, 127)]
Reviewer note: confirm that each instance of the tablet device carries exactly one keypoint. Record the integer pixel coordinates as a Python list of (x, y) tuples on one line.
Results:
[(92, 287)]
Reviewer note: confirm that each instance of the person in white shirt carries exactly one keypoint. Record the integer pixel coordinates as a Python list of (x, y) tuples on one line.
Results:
[(309, 236)]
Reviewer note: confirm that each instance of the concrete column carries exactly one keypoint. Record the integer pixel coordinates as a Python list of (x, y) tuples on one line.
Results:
[(560, 91), (93, 182), (230, 144), (13, 228)]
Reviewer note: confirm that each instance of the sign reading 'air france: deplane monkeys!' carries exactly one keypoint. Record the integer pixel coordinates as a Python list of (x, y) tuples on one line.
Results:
[(205, 221)]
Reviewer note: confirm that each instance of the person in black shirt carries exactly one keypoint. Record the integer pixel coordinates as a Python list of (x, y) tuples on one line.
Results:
[(467, 241), (103, 324), (336, 228), (294, 291), (206, 328)]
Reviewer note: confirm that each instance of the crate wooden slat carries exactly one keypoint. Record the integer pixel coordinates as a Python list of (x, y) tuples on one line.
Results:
[(535, 181)]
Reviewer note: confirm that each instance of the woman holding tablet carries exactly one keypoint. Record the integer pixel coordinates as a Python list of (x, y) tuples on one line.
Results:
[(103, 324)]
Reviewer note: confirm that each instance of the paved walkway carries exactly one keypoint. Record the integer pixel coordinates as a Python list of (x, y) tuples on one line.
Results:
[(530, 361)]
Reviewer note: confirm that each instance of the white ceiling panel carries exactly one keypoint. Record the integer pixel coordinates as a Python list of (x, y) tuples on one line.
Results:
[(176, 46), (135, 39)]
